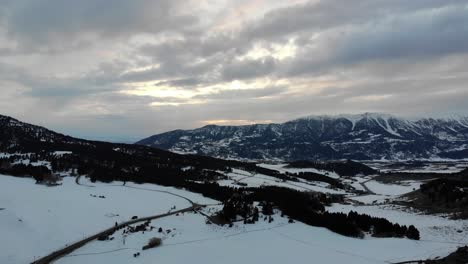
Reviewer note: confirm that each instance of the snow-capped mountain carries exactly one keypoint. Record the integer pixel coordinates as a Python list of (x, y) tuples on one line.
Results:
[(362, 137)]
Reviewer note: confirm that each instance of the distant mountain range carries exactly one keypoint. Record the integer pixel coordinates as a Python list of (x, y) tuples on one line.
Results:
[(366, 136), (107, 161)]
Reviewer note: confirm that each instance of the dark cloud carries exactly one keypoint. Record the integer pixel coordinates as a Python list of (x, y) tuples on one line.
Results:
[(315, 17), (423, 35), (59, 88), (426, 34), (247, 69), (62, 23)]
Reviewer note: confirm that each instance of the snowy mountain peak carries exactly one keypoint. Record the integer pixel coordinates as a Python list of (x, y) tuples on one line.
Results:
[(361, 136), (350, 117)]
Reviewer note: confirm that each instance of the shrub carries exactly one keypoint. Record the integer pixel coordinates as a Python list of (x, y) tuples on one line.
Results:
[(153, 242)]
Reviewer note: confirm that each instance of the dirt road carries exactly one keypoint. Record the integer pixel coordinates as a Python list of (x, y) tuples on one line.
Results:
[(363, 184)]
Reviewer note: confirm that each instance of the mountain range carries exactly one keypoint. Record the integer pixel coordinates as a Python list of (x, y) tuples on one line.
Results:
[(368, 136), (107, 161)]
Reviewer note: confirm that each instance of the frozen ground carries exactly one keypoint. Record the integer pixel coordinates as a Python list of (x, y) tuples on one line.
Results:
[(282, 168), (256, 180), (439, 236), (393, 189), (279, 242), (421, 166), (380, 191), (37, 220)]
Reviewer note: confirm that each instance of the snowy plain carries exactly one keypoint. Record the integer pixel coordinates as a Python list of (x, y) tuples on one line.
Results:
[(256, 180), (278, 242), (37, 220)]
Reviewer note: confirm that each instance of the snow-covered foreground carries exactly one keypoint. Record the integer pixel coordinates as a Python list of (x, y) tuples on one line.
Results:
[(439, 236), (191, 240), (37, 220)]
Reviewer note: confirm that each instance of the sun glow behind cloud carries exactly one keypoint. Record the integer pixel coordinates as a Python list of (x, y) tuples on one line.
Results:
[(176, 96), (235, 122), (277, 51), (160, 92), (369, 98)]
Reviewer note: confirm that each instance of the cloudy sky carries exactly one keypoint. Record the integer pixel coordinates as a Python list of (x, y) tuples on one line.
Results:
[(129, 69)]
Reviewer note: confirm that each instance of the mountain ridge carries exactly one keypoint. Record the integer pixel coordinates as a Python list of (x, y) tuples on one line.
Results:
[(365, 136)]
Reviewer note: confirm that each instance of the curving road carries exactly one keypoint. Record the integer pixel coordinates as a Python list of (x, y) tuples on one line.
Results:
[(70, 248), (369, 191)]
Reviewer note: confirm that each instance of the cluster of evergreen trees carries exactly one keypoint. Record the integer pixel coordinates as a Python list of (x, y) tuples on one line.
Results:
[(39, 173), (309, 208), (355, 225), (342, 168), (238, 206), (449, 192)]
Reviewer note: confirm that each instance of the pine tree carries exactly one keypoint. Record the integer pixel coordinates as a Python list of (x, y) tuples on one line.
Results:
[(412, 233)]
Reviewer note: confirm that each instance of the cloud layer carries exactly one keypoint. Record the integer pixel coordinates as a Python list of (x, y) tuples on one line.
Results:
[(134, 68)]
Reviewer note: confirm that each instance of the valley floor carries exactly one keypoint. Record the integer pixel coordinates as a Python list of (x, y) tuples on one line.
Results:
[(37, 220)]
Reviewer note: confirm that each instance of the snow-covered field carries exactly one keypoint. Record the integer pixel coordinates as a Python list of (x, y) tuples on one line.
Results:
[(425, 166), (282, 168), (256, 180), (439, 236), (393, 189), (37, 220), (279, 242)]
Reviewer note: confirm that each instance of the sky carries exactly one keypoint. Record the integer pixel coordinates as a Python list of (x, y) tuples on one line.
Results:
[(125, 69)]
